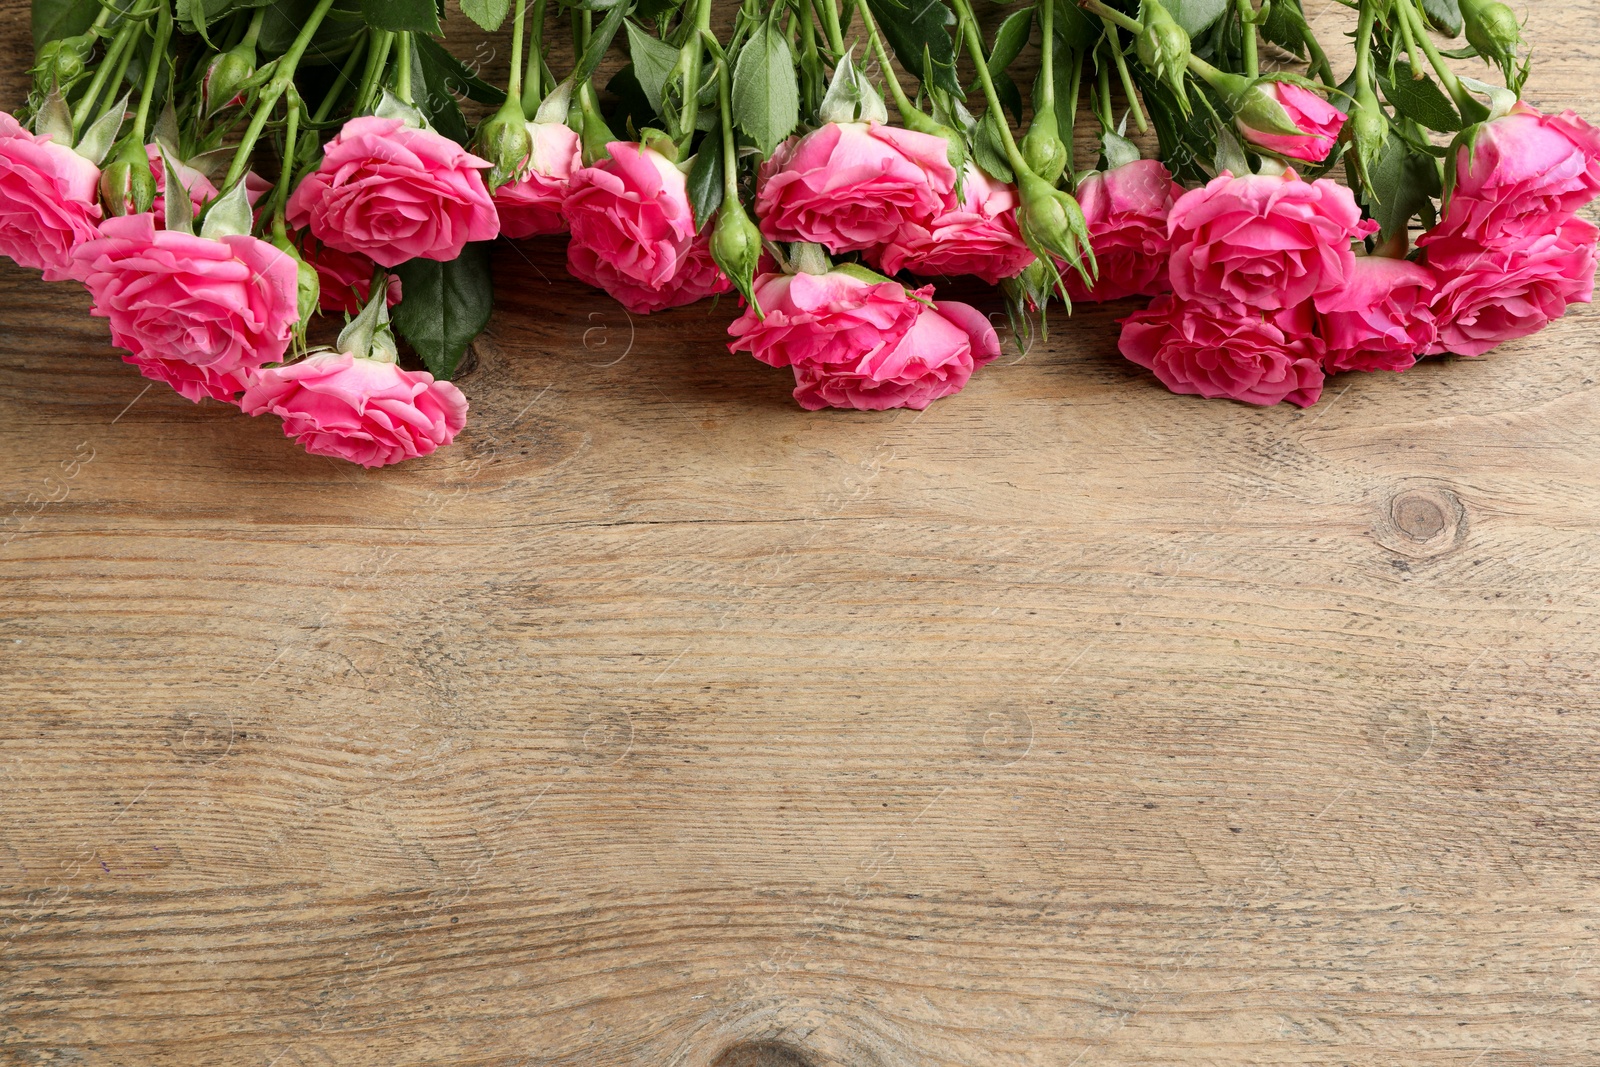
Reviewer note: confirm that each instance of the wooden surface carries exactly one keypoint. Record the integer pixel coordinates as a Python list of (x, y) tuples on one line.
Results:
[(661, 723)]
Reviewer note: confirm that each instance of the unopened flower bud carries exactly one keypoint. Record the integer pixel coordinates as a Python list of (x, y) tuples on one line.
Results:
[(62, 62), (127, 187), (504, 141), (1369, 130), (1051, 221), (736, 247), (1492, 29), (1164, 47), (225, 78), (1043, 149)]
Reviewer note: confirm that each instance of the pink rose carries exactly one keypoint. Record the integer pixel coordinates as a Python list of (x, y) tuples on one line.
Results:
[(1217, 351), (935, 358), (1380, 320), (1319, 120), (979, 236), (632, 210), (395, 193), (1513, 288), (531, 205), (191, 381), (1127, 209), (1527, 169), (363, 410), (1264, 241), (224, 306), (831, 319), (49, 201), (345, 277), (696, 278), (854, 185)]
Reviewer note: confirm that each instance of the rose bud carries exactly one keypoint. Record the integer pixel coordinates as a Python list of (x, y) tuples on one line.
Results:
[(226, 77), (1043, 149), (126, 185), (308, 291), (736, 248), (1052, 223), (1282, 117), (1164, 48), (60, 63), (504, 140), (1369, 130), (1493, 30)]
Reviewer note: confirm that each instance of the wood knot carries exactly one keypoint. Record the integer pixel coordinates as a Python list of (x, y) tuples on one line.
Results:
[(761, 1054), (1422, 522)]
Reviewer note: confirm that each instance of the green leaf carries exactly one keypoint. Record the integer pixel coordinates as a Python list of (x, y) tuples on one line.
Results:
[(912, 26), (766, 92), (705, 183), (1196, 16), (414, 16), (55, 19), (434, 92), (1420, 100), (446, 307), (1444, 16), (285, 19), (653, 62), (1284, 27), (1403, 182), (489, 14), (198, 15), (1010, 39), (1075, 28), (988, 151), (447, 72)]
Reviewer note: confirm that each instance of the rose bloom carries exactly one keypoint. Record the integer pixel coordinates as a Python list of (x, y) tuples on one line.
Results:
[(1527, 169), (1264, 241), (49, 201), (394, 193), (979, 236), (224, 306), (696, 278), (1381, 320), (531, 205), (345, 277), (364, 410), (1126, 209), (935, 359), (1217, 351), (831, 319), (854, 185), (631, 213), (1513, 288), (1320, 121)]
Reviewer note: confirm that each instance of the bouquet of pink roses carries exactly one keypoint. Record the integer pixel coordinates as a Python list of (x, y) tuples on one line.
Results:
[(219, 173)]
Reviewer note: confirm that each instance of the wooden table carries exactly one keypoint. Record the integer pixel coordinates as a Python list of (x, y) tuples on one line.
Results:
[(661, 723)]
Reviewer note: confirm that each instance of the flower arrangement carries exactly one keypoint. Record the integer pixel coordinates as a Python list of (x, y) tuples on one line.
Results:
[(217, 174)]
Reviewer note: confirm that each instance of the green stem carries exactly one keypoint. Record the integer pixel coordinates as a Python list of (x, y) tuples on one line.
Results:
[(1319, 58), (1069, 130), (291, 147), (108, 66), (730, 151), (1128, 89), (1368, 18), (336, 93), (158, 55), (830, 23), (253, 34), (1133, 26), (518, 23), (533, 78), (273, 91), (1458, 92), (382, 41), (1247, 23), (901, 102), (691, 76), (402, 79), (1102, 100), (1047, 57), (969, 28)]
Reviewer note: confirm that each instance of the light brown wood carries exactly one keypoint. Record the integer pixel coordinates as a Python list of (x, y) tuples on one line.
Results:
[(661, 723)]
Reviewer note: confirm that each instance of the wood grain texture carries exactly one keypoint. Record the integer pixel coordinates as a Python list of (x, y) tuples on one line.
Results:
[(661, 723)]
